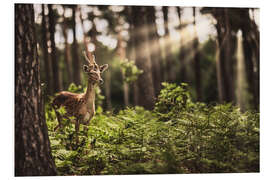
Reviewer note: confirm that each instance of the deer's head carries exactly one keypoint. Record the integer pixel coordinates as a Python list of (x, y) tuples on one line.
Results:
[(93, 70)]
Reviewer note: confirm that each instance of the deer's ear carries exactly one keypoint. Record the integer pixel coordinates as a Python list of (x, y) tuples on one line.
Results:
[(103, 67), (86, 68)]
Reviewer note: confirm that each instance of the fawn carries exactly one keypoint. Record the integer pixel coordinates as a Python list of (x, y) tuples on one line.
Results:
[(81, 106)]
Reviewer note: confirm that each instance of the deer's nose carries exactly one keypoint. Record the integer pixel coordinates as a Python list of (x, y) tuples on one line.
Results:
[(100, 81)]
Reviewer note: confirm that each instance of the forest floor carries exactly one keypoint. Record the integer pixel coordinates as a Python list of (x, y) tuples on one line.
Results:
[(178, 136)]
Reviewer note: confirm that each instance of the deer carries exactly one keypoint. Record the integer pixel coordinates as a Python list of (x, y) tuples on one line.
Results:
[(81, 106)]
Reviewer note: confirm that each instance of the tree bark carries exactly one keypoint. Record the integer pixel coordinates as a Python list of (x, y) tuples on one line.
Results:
[(131, 53), (145, 81), (255, 43), (121, 52), (182, 52), (107, 85), (32, 146), (44, 46), (155, 49), (219, 75), (76, 63), (197, 66), (225, 91), (229, 61), (57, 84), (67, 51), (168, 49), (251, 51)]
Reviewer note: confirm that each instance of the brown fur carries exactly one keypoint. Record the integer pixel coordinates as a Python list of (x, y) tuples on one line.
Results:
[(81, 106), (77, 105)]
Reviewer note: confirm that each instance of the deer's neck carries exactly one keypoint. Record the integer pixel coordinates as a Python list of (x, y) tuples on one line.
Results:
[(90, 93)]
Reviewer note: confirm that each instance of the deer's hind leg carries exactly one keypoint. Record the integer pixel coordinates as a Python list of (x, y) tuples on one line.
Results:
[(59, 119)]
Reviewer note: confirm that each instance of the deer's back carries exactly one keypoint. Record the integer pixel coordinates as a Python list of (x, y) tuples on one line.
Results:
[(70, 101)]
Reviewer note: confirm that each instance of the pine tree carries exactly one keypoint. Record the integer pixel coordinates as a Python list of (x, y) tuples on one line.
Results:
[(32, 146)]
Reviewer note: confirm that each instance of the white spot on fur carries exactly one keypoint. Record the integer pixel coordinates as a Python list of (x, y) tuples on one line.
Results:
[(87, 116)]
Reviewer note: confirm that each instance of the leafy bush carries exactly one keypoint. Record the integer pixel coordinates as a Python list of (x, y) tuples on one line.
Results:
[(214, 138), (75, 89), (172, 100), (130, 71), (179, 136)]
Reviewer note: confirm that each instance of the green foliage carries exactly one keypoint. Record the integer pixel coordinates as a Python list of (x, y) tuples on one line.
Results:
[(130, 71), (216, 138), (75, 89), (179, 136), (172, 99)]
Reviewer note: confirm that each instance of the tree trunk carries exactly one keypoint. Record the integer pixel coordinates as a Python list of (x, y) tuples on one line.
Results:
[(255, 43), (168, 49), (220, 69), (135, 85), (182, 53), (76, 63), (155, 49), (249, 67), (224, 76), (229, 61), (145, 81), (219, 75), (197, 66), (44, 46), (67, 51), (32, 146), (250, 52), (131, 54), (57, 86), (107, 85), (121, 52)]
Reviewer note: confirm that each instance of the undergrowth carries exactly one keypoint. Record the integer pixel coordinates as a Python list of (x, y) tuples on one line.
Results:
[(178, 136)]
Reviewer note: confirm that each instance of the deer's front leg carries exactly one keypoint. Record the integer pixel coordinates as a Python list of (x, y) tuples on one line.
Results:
[(87, 119)]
